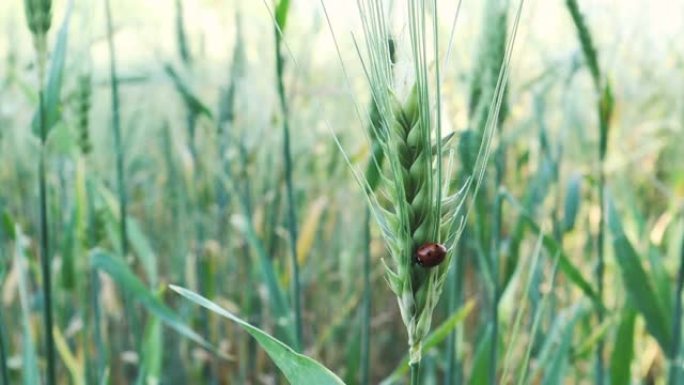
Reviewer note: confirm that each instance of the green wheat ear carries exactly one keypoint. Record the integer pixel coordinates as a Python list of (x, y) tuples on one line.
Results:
[(83, 104), (39, 19), (415, 210)]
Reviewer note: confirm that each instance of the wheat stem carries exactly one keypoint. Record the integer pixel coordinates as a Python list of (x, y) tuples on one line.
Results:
[(415, 373), (120, 171), (289, 186)]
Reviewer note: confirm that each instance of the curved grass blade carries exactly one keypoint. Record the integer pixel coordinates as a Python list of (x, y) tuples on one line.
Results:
[(190, 99), (297, 368), (132, 286)]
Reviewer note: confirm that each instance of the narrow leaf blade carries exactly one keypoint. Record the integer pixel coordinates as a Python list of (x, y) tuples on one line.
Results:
[(297, 368), (128, 282)]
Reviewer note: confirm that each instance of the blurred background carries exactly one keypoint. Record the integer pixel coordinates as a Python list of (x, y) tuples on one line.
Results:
[(203, 181)]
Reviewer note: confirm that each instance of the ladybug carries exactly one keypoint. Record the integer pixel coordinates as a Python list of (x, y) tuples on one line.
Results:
[(430, 254)]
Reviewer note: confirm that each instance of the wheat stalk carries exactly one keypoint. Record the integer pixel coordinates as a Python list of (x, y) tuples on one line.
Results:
[(39, 19)]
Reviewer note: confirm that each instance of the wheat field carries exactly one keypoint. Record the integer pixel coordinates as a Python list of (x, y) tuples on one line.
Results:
[(341, 192)]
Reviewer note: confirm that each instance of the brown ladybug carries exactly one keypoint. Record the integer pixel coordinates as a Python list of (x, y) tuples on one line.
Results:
[(430, 254)]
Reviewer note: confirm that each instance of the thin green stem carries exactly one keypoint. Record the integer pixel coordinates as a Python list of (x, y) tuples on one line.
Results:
[(45, 242), (366, 317), (120, 172), (291, 209), (116, 127), (675, 354), (415, 373)]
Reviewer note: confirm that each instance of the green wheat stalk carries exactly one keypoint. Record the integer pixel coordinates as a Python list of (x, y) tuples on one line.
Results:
[(604, 110), (39, 19), (281, 12)]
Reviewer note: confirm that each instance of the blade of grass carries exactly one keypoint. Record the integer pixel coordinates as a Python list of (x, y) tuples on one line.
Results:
[(72, 363), (297, 368), (136, 290), (638, 283), (623, 353)]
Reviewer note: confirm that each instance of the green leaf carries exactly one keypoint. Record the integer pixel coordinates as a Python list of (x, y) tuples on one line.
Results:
[(433, 339), (129, 283), (54, 83), (661, 278), (281, 11), (623, 353), (572, 202), (8, 225), (481, 363), (192, 102), (297, 368), (277, 298), (639, 285)]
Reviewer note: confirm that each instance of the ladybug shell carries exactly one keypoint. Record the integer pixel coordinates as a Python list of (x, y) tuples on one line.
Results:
[(430, 254)]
